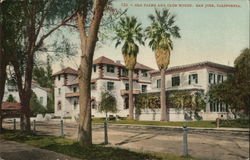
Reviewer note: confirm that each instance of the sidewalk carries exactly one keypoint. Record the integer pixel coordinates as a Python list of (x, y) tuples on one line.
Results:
[(10, 150)]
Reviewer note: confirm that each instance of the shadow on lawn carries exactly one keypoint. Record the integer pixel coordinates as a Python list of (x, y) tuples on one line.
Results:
[(98, 152)]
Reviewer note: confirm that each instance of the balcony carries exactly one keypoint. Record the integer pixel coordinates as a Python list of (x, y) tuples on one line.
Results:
[(124, 92), (74, 94)]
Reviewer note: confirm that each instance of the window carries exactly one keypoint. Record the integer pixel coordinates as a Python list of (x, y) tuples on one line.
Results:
[(211, 78), (75, 103), (59, 91), (59, 105), (176, 81), (110, 86), (110, 68), (93, 104), (124, 72), (144, 88), (41, 100), (193, 79), (158, 83), (126, 104), (74, 89), (217, 106), (94, 68), (93, 86), (126, 86), (219, 78), (144, 73), (59, 77)]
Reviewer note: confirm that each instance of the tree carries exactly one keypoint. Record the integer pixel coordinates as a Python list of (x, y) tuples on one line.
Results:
[(8, 11), (192, 102), (129, 31), (88, 37), (235, 91), (40, 19), (160, 32), (108, 103), (36, 106), (10, 98)]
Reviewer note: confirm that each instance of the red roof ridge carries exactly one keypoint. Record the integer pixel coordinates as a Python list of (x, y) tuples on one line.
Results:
[(67, 70)]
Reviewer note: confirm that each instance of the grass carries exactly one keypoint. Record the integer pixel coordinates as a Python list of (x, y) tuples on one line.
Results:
[(200, 124), (73, 149)]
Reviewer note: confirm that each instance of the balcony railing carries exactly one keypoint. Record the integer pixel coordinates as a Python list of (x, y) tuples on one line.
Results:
[(124, 92)]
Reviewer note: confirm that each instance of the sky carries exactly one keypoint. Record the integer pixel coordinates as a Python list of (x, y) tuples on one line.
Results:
[(209, 31)]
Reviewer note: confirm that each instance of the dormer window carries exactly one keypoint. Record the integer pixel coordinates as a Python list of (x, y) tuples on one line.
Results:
[(144, 73), (110, 69)]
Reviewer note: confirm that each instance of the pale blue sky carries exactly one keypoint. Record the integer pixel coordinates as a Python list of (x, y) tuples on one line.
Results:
[(208, 34)]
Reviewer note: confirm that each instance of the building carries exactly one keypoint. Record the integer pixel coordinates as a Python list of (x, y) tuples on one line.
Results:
[(192, 77), (110, 75), (106, 75), (40, 92)]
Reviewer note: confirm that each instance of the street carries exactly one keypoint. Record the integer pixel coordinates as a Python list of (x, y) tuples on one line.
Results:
[(218, 146)]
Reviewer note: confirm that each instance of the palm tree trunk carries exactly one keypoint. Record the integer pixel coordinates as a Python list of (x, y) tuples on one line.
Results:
[(130, 95), (164, 116)]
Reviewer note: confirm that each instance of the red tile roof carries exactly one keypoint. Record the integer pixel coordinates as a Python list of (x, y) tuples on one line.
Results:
[(11, 106), (67, 70), (105, 60), (143, 67)]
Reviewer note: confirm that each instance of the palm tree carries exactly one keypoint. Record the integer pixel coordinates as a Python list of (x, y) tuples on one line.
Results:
[(160, 32), (129, 31)]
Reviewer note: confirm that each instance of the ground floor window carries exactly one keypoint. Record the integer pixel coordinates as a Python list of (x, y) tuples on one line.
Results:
[(126, 104), (93, 104), (76, 103), (59, 105), (217, 106)]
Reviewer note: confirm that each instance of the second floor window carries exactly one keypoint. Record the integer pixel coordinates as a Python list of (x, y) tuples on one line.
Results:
[(144, 73), (158, 83), (144, 88), (211, 78), (74, 89), (59, 77), (94, 68), (219, 78), (124, 72), (110, 69), (193, 79), (59, 91), (93, 86), (127, 86), (110, 86), (176, 81)]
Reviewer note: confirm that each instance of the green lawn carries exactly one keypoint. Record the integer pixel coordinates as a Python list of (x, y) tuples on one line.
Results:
[(200, 124), (97, 152)]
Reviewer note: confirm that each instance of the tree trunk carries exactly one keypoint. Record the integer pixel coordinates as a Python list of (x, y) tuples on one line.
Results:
[(130, 95), (85, 129), (164, 114), (88, 43), (3, 76)]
